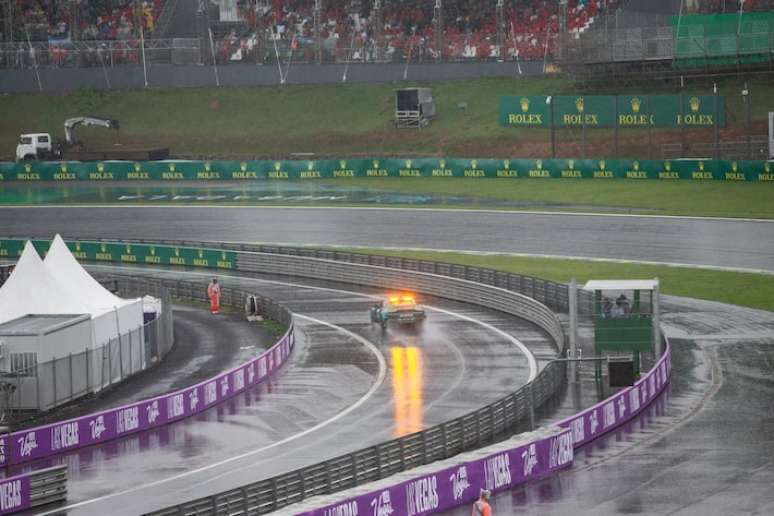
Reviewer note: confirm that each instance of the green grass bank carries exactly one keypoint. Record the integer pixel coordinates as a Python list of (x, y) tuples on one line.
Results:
[(346, 120), (744, 289)]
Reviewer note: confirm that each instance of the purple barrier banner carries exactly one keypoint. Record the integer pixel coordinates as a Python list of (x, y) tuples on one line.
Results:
[(460, 484), (47, 440), (622, 406), (14, 494)]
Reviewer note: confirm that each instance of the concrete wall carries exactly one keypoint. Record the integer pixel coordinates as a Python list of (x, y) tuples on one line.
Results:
[(193, 76)]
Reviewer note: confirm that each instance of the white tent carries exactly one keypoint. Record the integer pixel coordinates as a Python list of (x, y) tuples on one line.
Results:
[(111, 314), (32, 289)]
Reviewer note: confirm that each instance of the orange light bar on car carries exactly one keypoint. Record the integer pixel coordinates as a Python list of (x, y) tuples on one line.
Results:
[(407, 299), (394, 299)]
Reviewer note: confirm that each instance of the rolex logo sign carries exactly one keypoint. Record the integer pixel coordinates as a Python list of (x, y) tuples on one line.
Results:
[(506, 164), (100, 167), (243, 166), (539, 164), (767, 167), (375, 163), (524, 103), (735, 166), (442, 163), (310, 165), (636, 165), (207, 166), (343, 164), (27, 168), (701, 166), (103, 247), (63, 168), (473, 164), (636, 103), (695, 104), (602, 164), (579, 104), (668, 166), (171, 167), (277, 165), (408, 163)]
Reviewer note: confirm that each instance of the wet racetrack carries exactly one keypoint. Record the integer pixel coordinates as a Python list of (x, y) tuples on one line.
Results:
[(727, 243), (707, 451), (333, 397)]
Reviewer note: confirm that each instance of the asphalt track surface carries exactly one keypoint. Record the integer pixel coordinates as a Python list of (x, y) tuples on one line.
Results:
[(704, 449), (721, 243), (347, 385), (707, 449)]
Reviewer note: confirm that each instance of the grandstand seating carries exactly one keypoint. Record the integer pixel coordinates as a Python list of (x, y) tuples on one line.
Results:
[(469, 26), (96, 20)]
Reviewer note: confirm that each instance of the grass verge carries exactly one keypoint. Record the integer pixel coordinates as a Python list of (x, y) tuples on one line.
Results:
[(737, 288), (350, 120)]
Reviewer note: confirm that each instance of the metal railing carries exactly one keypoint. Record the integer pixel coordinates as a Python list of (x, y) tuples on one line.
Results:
[(550, 293), (48, 486)]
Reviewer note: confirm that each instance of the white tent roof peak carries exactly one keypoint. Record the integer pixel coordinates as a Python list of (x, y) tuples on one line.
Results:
[(61, 263), (32, 289)]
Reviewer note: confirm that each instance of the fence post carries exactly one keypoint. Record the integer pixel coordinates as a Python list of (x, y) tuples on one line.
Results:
[(573, 299), (130, 353), (70, 361), (531, 402), (120, 357), (88, 370), (53, 372), (110, 362)]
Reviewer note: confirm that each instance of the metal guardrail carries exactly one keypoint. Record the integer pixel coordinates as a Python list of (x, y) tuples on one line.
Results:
[(552, 294), (481, 427), (48, 486)]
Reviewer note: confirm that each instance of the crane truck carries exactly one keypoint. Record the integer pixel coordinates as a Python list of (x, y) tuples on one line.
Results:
[(40, 146)]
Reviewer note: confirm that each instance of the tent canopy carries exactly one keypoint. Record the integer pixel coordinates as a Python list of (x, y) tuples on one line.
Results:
[(32, 289), (70, 274)]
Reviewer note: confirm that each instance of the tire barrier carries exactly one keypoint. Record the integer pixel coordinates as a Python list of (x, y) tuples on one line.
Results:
[(185, 170)]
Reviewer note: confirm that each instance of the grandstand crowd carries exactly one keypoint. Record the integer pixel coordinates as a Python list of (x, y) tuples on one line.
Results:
[(61, 21), (347, 28)]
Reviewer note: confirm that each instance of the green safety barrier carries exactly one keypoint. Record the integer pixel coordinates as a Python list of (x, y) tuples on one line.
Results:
[(722, 39), (695, 169), (141, 254), (606, 111)]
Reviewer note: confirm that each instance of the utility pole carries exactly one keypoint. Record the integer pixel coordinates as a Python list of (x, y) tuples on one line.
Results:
[(317, 33), (7, 14), (438, 29), (501, 29)]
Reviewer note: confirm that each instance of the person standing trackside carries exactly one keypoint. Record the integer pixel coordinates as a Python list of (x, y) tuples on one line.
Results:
[(481, 506), (213, 292)]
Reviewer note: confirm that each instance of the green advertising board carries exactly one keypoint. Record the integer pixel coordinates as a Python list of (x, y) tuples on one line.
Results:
[(607, 111), (138, 254), (302, 170)]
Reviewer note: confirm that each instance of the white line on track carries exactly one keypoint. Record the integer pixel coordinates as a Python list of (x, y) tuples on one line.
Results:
[(379, 380), (394, 208)]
